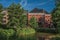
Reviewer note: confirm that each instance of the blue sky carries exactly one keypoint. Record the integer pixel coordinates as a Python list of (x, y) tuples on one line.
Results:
[(47, 5)]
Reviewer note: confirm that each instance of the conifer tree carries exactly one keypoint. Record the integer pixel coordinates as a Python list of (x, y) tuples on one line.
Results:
[(33, 22), (56, 16), (15, 12)]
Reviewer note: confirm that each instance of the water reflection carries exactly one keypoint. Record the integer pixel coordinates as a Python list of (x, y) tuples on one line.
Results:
[(35, 36), (28, 37)]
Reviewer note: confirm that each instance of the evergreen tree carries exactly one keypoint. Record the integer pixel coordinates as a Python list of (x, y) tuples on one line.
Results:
[(23, 20), (56, 16), (16, 15), (33, 23), (1, 7), (1, 16), (15, 12)]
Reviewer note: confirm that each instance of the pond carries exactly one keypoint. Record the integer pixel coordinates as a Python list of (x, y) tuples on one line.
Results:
[(36, 36)]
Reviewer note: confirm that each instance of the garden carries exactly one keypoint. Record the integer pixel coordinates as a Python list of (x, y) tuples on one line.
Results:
[(18, 27)]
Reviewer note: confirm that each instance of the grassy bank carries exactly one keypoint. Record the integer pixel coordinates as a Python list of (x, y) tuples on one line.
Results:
[(11, 34), (25, 31), (6, 34)]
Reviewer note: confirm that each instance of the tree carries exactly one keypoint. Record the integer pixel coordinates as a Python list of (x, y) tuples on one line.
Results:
[(1, 7), (33, 23), (16, 16), (15, 9), (23, 20), (56, 16), (15, 12), (1, 16)]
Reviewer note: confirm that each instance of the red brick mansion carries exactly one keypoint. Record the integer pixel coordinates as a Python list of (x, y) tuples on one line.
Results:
[(42, 17)]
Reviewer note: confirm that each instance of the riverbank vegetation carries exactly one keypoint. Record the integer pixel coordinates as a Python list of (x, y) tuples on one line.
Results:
[(17, 23), (25, 31), (56, 16)]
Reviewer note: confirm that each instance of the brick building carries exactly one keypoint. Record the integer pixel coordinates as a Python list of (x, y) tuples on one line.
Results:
[(42, 17)]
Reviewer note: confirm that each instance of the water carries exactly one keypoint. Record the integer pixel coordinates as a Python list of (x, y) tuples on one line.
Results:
[(36, 36), (28, 37)]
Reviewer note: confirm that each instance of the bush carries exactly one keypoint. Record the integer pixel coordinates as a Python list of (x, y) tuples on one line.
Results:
[(48, 30), (58, 29), (33, 22), (25, 31), (25, 34), (56, 38), (5, 34), (23, 20)]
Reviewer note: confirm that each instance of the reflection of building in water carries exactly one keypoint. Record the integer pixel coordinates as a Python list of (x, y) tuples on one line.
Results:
[(42, 16), (5, 17)]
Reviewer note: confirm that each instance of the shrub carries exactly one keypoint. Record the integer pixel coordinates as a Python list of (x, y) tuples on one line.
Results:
[(6, 34), (25, 34), (48, 30), (25, 31), (33, 23), (56, 38), (23, 20)]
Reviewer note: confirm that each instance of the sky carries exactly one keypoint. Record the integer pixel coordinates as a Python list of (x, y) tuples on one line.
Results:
[(47, 5)]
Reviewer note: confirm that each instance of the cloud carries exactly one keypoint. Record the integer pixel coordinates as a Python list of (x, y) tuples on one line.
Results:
[(23, 3), (46, 2)]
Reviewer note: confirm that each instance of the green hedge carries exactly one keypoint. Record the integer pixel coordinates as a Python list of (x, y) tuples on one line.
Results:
[(48, 30), (56, 38)]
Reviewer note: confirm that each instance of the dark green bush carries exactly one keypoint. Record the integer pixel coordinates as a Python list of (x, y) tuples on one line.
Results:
[(58, 29), (33, 22), (48, 30), (56, 38), (6, 34)]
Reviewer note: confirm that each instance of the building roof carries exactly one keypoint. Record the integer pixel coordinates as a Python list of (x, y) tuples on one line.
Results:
[(36, 10)]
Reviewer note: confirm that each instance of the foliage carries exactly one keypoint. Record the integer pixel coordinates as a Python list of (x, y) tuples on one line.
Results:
[(6, 33), (10, 34), (17, 23), (1, 7), (15, 9), (56, 16), (23, 20), (56, 38), (1, 16), (15, 13), (25, 31), (33, 23), (46, 30)]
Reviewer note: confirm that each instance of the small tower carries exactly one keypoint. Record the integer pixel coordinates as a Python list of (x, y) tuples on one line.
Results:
[(5, 17)]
